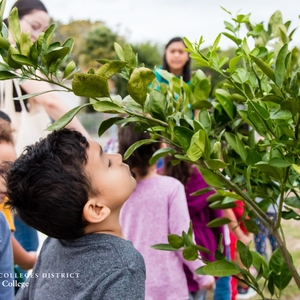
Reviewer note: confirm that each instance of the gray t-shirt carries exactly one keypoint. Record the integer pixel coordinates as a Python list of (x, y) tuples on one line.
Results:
[(95, 266)]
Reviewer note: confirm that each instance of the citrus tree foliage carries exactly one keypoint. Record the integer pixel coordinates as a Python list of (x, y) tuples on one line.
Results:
[(244, 140)]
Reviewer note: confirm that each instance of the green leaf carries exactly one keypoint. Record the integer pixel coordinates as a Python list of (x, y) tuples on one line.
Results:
[(296, 168), (48, 35), (216, 164), (264, 67), (175, 241), (57, 54), (158, 105), (293, 202), (66, 118), (108, 107), (4, 75), (279, 163), (22, 59), (219, 255), (202, 104), (240, 76), (90, 86), (14, 25), (259, 262), (237, 145), (281, 275), (119, 51), (164, 247), (190, 253), (197, 145), (202, 191), (218, 222), (219, 268), (161, 153), (290, 214), (136, 145), (273, 172), (129, 57), (211, 178), (251, 226), (106, 124), (280, 65), (184, 136), (71, 66), (4, 43), (108, 70), (281, 114), (205, 120), (138, 84), (233, 38), (225, 100)]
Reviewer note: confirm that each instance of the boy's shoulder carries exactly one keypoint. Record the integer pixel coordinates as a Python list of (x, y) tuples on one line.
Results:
[(94, 266), (116, 251)]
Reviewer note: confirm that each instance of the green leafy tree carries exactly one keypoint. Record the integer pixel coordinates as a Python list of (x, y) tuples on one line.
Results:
[(260, 89)]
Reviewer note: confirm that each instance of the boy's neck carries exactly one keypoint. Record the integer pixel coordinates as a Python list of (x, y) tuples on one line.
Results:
[(110, 225)]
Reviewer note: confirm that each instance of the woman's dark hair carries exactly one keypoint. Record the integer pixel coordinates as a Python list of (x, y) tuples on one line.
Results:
[(181, 171), (141, 156), (48, 187), (26, 7), (186, 68)]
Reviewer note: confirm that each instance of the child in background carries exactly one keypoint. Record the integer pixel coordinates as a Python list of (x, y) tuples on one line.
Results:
[(65, 187), (155, 209), (6, 254), (200, 214), (21, 257)]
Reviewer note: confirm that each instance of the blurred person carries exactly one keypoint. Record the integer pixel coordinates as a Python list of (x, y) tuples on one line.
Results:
[(34, 19), (21, 257), (175, 60), (201, 214), (154, 210)]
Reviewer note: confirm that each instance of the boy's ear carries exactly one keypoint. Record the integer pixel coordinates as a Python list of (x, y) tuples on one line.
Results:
[(94, 211)]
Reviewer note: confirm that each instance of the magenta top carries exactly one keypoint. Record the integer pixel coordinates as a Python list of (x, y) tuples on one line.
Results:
[(157, 208)]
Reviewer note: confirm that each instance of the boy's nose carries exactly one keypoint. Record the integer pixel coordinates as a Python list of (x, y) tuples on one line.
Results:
[(117, 157)]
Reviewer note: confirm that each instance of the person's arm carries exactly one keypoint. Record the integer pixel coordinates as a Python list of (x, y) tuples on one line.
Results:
[(25, 260), (54, 106), (235, 227)]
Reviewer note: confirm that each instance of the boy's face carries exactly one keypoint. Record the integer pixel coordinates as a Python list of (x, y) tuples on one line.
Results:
[(7, 153), (109, 176)]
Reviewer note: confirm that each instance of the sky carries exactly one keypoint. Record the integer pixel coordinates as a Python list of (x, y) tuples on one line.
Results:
[(158, 21)]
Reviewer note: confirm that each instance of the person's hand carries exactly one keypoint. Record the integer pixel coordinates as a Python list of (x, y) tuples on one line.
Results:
[(245, 239), (210, 283)]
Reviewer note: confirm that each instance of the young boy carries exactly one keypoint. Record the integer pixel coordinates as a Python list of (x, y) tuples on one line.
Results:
[(69, 189)]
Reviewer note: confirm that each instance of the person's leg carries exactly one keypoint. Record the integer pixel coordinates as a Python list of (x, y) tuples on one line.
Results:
[(272, 240), (223, 289), (260, 238), (199, 295)]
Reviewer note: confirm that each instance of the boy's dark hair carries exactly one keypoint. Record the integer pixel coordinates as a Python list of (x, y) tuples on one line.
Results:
[(141, 156), (187, 67), (48, 187)]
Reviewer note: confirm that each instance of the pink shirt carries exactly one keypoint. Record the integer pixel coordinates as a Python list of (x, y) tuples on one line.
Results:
[(157, 208)]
